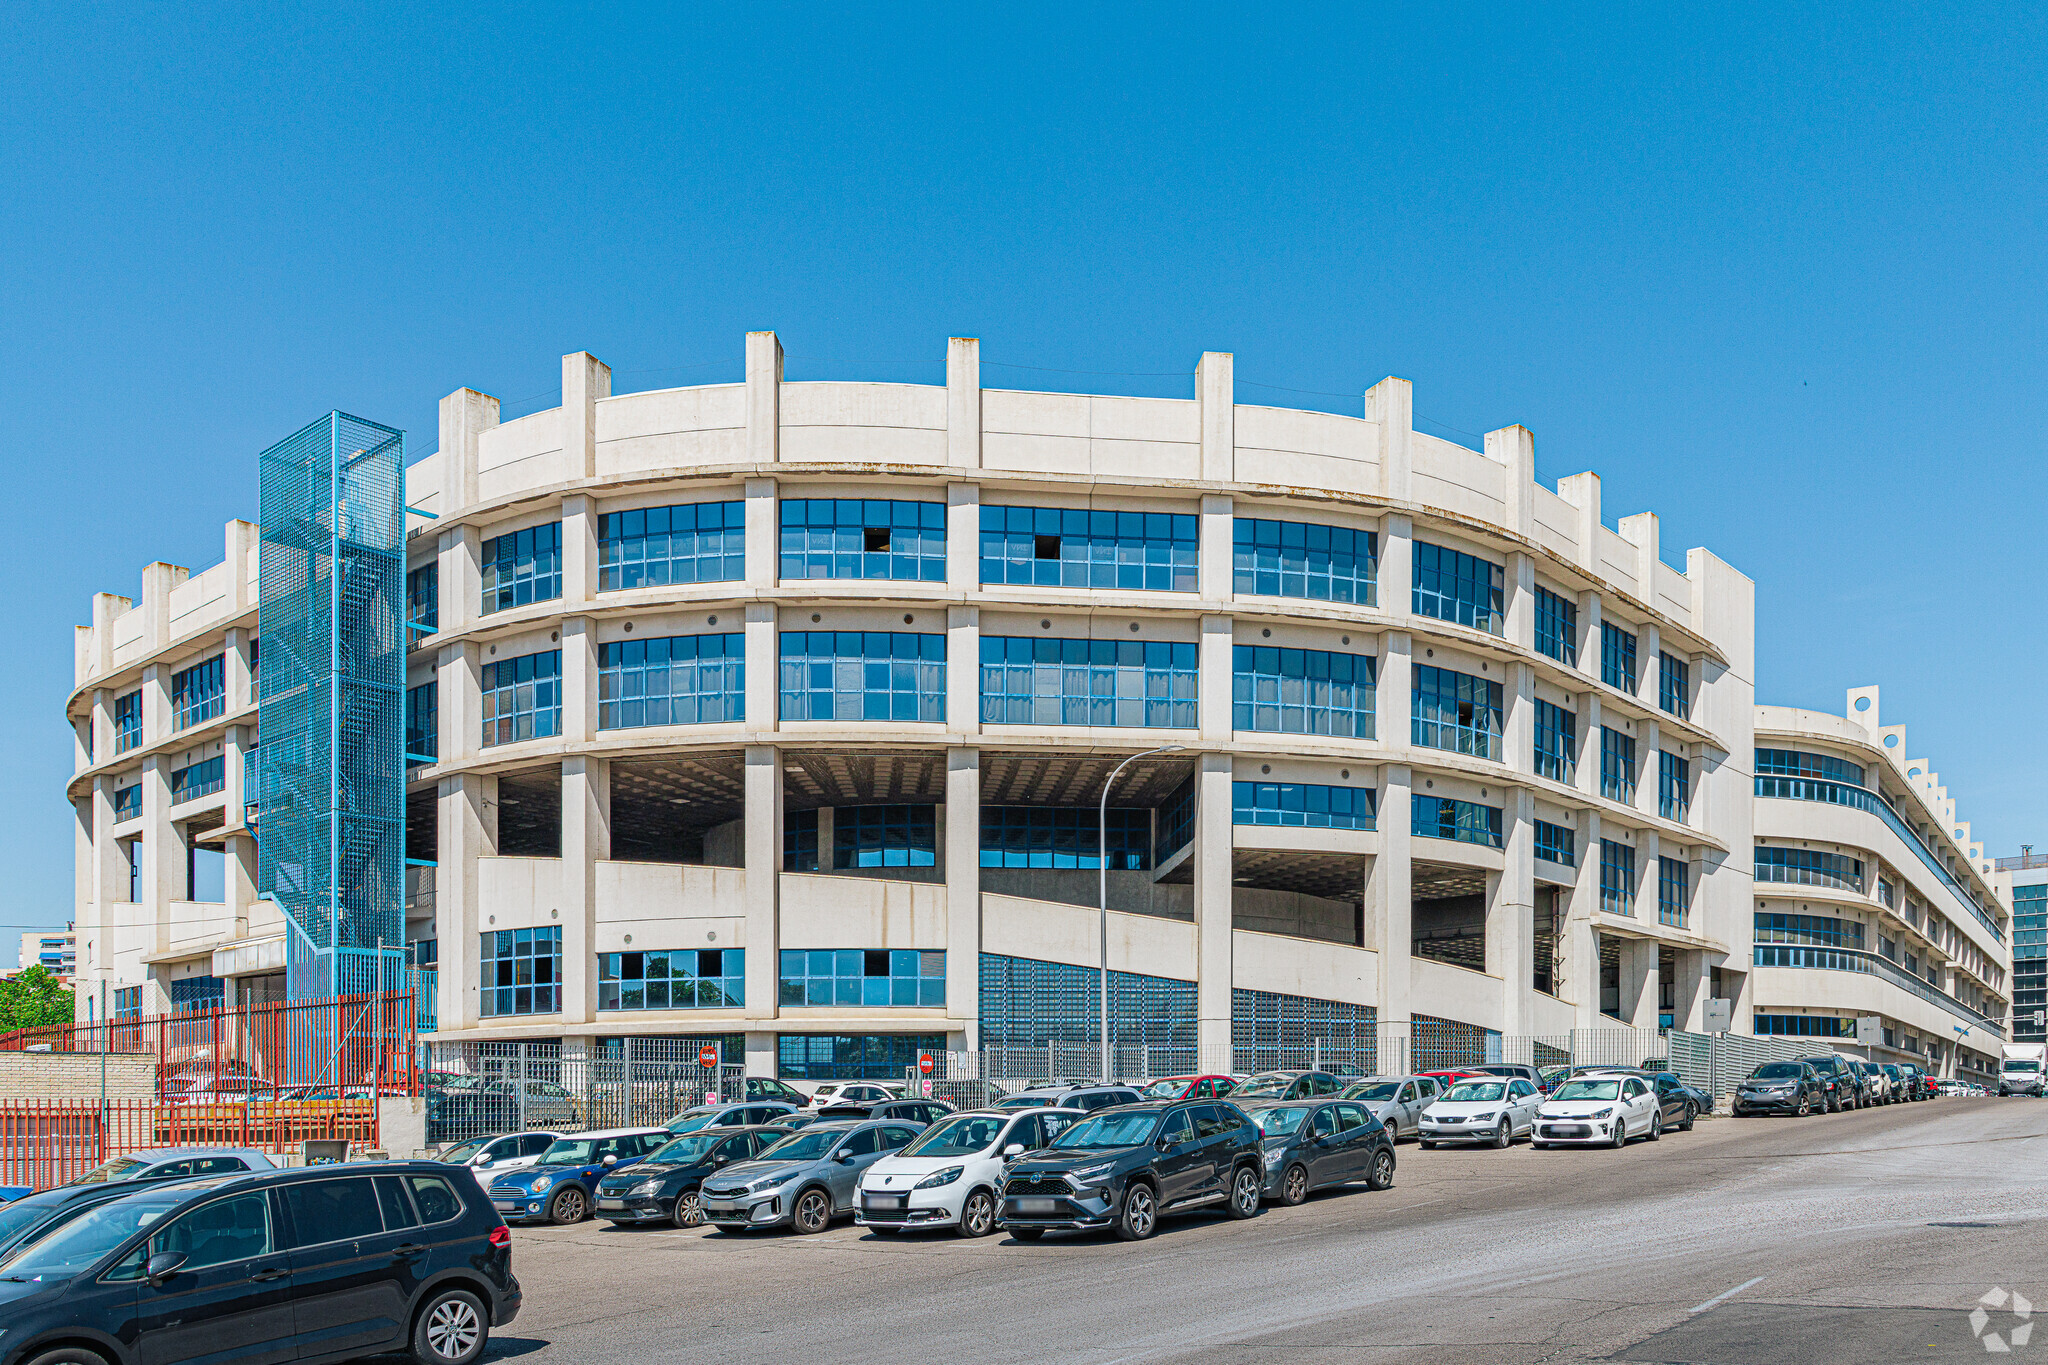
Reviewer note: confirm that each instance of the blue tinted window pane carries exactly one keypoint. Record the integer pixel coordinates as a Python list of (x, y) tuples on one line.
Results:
[(1148, 552), (702, 542), (522, 698), (522, 567), (854, 675), (1299, 559), (1302, 691), (856, 538), (677, 680), (1453, 586)]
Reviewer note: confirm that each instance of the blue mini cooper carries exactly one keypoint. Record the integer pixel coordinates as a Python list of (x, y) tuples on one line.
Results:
[(560, 1187)]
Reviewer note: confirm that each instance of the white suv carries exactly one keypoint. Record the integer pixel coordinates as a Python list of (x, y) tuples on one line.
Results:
[(851, 1092), (951, 1176)]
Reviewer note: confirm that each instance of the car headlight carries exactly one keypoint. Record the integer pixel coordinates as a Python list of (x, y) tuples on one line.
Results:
[(648, 1186), (540, 1185), (1087, 1175), (938, 1178), (1603, 1114), (1484, 1118), (770, 1183)]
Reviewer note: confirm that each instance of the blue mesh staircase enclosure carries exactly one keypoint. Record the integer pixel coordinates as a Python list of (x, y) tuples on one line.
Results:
[(331, 715)]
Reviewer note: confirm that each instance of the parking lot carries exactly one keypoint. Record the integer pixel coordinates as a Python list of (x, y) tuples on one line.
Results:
[(1864, 1236)]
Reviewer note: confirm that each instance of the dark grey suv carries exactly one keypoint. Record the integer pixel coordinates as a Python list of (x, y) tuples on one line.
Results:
[(1124, 1167), (1844, 1089)]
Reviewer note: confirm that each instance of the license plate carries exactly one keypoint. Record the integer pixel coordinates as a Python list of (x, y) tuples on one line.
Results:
[(888, 1201), (611, 1203), (1037, 1205), (503, 1207)]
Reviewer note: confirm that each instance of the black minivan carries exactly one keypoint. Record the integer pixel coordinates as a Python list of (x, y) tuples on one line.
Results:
[(307, 1266)]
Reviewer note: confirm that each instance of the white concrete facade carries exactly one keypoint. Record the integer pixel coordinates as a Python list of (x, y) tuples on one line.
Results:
[(1873, 902), (1483, 934)]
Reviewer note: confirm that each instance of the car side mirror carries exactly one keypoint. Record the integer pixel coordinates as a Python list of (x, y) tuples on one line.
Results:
[(844, 1158), (162, 1266), (610, 1160), (483, 1161), (1014, 1149)]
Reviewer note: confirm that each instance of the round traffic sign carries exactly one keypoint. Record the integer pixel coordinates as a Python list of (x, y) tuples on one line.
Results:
[(927, 1089), (926, 1064), (707, 1056)]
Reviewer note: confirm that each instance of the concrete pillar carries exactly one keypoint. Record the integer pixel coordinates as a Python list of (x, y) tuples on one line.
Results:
[(963, 891), (1639, 982), (156, 704), (1583, 492), (963, 404), (1217, 574), (459, 695), (1393, 704), (1389, 898), (1213, 927), (1518, 702), (157, 581), (1580, 940), (764, 533), (105, 607), (764, 400), (460, 573), (763, 667), (586, 842), (1214, 668), (579, 551), (580, 684), (585, 381), (240, 557), (764, 879), (1649, 675), (1519, 625), (102, 719), (466, 830), (465, 416), (963, 535), (1395, 585), (1689, 998), (239, 677), (239, 881), (1515, 449), (762, 1058), (1587, 774), (963, 671), (1511, 909), (1646, 876), (1641, 531), (163, 850), (1216, 391), (1646, 766), (1391, 404)]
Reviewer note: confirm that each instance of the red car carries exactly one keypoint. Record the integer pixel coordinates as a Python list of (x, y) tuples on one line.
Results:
[(1189, 1088), (1450, 1076)]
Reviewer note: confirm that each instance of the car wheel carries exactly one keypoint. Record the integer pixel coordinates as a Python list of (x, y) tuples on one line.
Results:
[(1244, 1193), (1139, 1217), (569, 1206), (812, 1212), (977, 1215), (1805, 1108), (1691, 1113), (1620, 1138), (68, 1355), (1380, 1175), (1504, 1136), (1294, 1186), (1656, 1125), (689, 1211), (1427, 1145), (451, 1330), (1536, 1146), (1026, 1234)]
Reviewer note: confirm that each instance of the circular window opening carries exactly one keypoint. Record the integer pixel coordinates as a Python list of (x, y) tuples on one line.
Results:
[(1863, 703), (1891, 741)]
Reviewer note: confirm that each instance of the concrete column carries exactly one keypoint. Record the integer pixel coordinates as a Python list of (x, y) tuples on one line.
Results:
[(1581, 941), (1639, 982), (105, 607), (764, 534), (156, 704), (1649, 673), (1393, 702), (1396, 581), (1217, 573), (1213, 926), (1689, 998), (102, 724), (1646, 767), (157, 581), (465, 416), (466, 830), (240, 557), (764, 879), (586, 842), (1641, 531), (1589, 635), (579, 681), (1583, 492), (579, 551), (1389, 897), (1587, 773), (963, 671), (239, 883), (963, 403), (459, 695), (963, 891), (1212, 705), (763, 667), (1216, 391), (235, 664), (460, 572), (1518, 701), (163, 850), (1519, 627), (585, 381), (1646, 876), (1515, 449), (1391, 404), (1511, 909), (764, 400), (762, 1058), (963, 534)]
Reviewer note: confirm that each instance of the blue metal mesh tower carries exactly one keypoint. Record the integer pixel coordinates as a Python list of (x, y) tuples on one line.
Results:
[(331, 717)]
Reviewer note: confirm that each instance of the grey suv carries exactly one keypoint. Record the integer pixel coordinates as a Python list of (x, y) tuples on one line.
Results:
[(805, 1180)]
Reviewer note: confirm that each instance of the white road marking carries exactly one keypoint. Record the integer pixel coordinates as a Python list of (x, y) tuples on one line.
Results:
[(1725, 1294)]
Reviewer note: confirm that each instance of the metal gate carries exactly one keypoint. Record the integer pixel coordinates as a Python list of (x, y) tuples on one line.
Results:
[(477, 1088)]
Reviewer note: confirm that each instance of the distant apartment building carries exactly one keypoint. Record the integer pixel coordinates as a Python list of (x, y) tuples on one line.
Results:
[(2029, 874), (55, 951)]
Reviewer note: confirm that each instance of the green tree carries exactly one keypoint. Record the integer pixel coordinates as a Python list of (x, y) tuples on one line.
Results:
[(33, 998)]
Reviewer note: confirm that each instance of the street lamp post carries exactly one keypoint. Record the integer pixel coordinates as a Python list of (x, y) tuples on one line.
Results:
[(1102, 883)]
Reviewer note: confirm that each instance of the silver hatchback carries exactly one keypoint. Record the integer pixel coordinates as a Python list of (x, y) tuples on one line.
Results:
[(805, 1180)]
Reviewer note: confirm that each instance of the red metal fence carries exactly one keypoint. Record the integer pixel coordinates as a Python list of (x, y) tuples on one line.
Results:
[(47, 1142)]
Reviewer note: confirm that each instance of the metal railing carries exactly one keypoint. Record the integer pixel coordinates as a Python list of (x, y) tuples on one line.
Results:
[(49, 1142), (1872, 964), (475, 1088)]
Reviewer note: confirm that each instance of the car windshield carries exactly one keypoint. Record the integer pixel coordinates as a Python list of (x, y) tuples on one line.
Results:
[(1167, 1088), (808, 1145), (690, 1123), (958, 1136), (570, 1152), (1378, 1090), (1111, 1129), (1776, 1071), (1589, 1090), (1025, 1102), (15, 1217), (79, 1244), (1279, 1120), (1476, 1092), (464, 1151), (2019, 1064), (120, 1168), (1265, 1083), (691, 1148)]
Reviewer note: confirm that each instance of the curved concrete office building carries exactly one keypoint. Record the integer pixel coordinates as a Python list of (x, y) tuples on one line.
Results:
[(1873, 904), (780, 712)]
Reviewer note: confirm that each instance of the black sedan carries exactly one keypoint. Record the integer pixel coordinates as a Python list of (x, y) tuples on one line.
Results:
[(664, 1186), (1781, 1088), (1309, 1145)]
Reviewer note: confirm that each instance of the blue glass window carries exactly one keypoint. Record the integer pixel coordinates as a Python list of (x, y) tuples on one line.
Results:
[(852, 1057), (1453, 586), (522, 698), (800, 841), (1809, 867), (423, 599), (672, 680), (1455, 711), (884, 836), (853, 538), (1051, 547), (1818, 931), (521, 972), (1305, 559), (1557, 627), (889, 977), (1467, 822), (423, 722), (1556, 844), (195, 780), (199, 693), (695, 542), (1674, 891), (1177, 821), (1617, 878), (522, 567), (1556, 742), (1301, 691), (128, 1003), (197, 993), (1065, 836), (1793, 763), (856, 675), (1617, 766), (1672, 694), (1803, 1026), (127, 802), (1617, 657), (127, 722), (680, 979), (1674, 786), (1304, 804), (1050, 681)]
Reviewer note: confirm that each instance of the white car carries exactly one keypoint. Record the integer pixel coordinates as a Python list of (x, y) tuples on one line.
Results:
[(850, 1092), (952, 1176), (1495, 1111), (1605, 1110), (507, 1153)]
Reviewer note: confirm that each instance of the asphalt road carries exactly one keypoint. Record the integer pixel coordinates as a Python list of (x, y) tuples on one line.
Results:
[(1854, 1238)]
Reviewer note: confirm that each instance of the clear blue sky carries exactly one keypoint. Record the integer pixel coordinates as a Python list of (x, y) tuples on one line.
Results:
[(1778, 277)]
